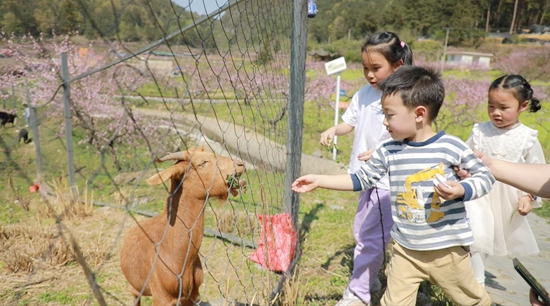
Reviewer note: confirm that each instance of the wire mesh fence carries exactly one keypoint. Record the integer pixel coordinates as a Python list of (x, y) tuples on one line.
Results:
[(101, 115)]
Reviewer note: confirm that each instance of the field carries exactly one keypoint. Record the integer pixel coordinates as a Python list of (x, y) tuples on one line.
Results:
[(51, 245)]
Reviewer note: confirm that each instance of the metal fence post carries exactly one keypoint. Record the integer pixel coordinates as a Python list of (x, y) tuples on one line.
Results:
[(67, 114), (291, 200), (298, 51)]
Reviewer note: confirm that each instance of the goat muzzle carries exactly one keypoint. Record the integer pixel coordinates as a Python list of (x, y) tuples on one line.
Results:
[(236, 184)]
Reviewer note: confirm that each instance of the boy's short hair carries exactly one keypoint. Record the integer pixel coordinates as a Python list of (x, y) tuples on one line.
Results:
[(417, 86)]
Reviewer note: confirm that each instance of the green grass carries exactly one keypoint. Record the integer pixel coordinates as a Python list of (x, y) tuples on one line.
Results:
[(473, 75), (12, 213), (353, 75), (59, 297), (544, 211)]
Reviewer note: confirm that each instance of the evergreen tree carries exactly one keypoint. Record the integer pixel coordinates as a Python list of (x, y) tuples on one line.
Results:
[(70, 17)]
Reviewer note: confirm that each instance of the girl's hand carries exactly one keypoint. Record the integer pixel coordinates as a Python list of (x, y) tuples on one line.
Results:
[(524, 205), (327, 136), (462, 174), (365, 156), (305, 183), (456, 190), (485, 159)]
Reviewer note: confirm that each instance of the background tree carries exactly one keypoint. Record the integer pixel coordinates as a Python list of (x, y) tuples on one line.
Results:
[(18, 17), (142, 20), (422, 17), (46, 20), (513, 21), (72, 19)]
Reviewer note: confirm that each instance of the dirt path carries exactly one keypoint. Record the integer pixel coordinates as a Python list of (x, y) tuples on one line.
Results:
[(248, 145)]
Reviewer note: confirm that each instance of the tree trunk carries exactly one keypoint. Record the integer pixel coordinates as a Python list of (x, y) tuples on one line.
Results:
[(488, 18), (543, 13), (497, 15), (512, 24)]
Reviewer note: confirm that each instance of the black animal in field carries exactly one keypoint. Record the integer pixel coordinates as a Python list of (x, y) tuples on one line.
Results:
[(24, 135), (7, 116)]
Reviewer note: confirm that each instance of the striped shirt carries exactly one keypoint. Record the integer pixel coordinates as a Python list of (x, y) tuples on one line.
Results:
[(423, 221)]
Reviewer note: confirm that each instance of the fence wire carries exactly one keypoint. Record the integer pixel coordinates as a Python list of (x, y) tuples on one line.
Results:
[(220, 81)]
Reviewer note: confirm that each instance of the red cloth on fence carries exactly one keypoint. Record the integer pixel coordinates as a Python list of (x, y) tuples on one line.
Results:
[(34, 187), (277, 242)]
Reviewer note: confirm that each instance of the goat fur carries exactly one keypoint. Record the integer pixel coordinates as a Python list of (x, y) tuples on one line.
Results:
[(172, 272)]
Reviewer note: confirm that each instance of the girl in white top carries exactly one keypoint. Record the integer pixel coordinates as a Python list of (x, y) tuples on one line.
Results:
[(498, 219), (381, 55)]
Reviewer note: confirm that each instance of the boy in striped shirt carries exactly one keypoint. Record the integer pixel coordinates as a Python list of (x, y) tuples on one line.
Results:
[(431, 233)]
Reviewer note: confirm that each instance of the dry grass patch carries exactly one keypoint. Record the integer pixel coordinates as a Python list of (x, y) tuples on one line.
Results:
[(66, 203), (38, 263), (545, 36), (25, 247), (293, 290), (240, 223)]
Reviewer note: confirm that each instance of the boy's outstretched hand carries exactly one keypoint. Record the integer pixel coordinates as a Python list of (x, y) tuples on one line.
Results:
[(305, 183), (456, 190)]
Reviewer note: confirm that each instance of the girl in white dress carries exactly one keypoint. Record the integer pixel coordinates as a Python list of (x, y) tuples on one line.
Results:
[(498, 219)]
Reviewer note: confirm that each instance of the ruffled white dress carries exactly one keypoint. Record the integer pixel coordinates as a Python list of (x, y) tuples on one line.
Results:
[(498, 227)]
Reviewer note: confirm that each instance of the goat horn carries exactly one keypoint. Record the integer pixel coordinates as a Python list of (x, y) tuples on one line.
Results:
[(173, 156)]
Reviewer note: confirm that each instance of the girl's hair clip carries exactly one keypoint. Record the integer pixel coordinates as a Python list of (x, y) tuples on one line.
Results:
[(403, 44)]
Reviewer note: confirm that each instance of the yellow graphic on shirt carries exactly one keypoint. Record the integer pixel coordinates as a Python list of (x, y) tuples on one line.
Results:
[(411, 210)]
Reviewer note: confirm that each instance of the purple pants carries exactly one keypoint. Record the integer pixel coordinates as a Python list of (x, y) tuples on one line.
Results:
[(367, 231)]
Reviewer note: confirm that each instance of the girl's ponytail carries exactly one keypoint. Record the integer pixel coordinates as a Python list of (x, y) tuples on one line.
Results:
[(534, 106), (527, 92), (407, 54)]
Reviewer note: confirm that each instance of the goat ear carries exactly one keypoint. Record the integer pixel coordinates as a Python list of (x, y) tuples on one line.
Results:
[(159, 178)]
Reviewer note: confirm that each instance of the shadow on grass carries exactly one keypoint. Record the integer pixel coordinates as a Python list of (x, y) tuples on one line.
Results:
[(346, 253), (309, 217), (347, 260)]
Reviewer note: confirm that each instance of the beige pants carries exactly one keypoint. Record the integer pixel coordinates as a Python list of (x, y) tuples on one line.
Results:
[(450, 269)]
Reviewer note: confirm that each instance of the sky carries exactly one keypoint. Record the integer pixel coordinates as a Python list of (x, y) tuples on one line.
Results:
[(202, 7)]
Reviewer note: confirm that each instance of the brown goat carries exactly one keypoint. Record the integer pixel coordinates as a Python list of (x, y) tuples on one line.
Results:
[(159, 256)]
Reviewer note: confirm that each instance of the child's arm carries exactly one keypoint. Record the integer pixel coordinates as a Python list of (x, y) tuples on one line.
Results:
[(366, 177), (534, 179), (535, 155), (338, 130), (476, 184), (372, 171), (349, 121), (309, 182)]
